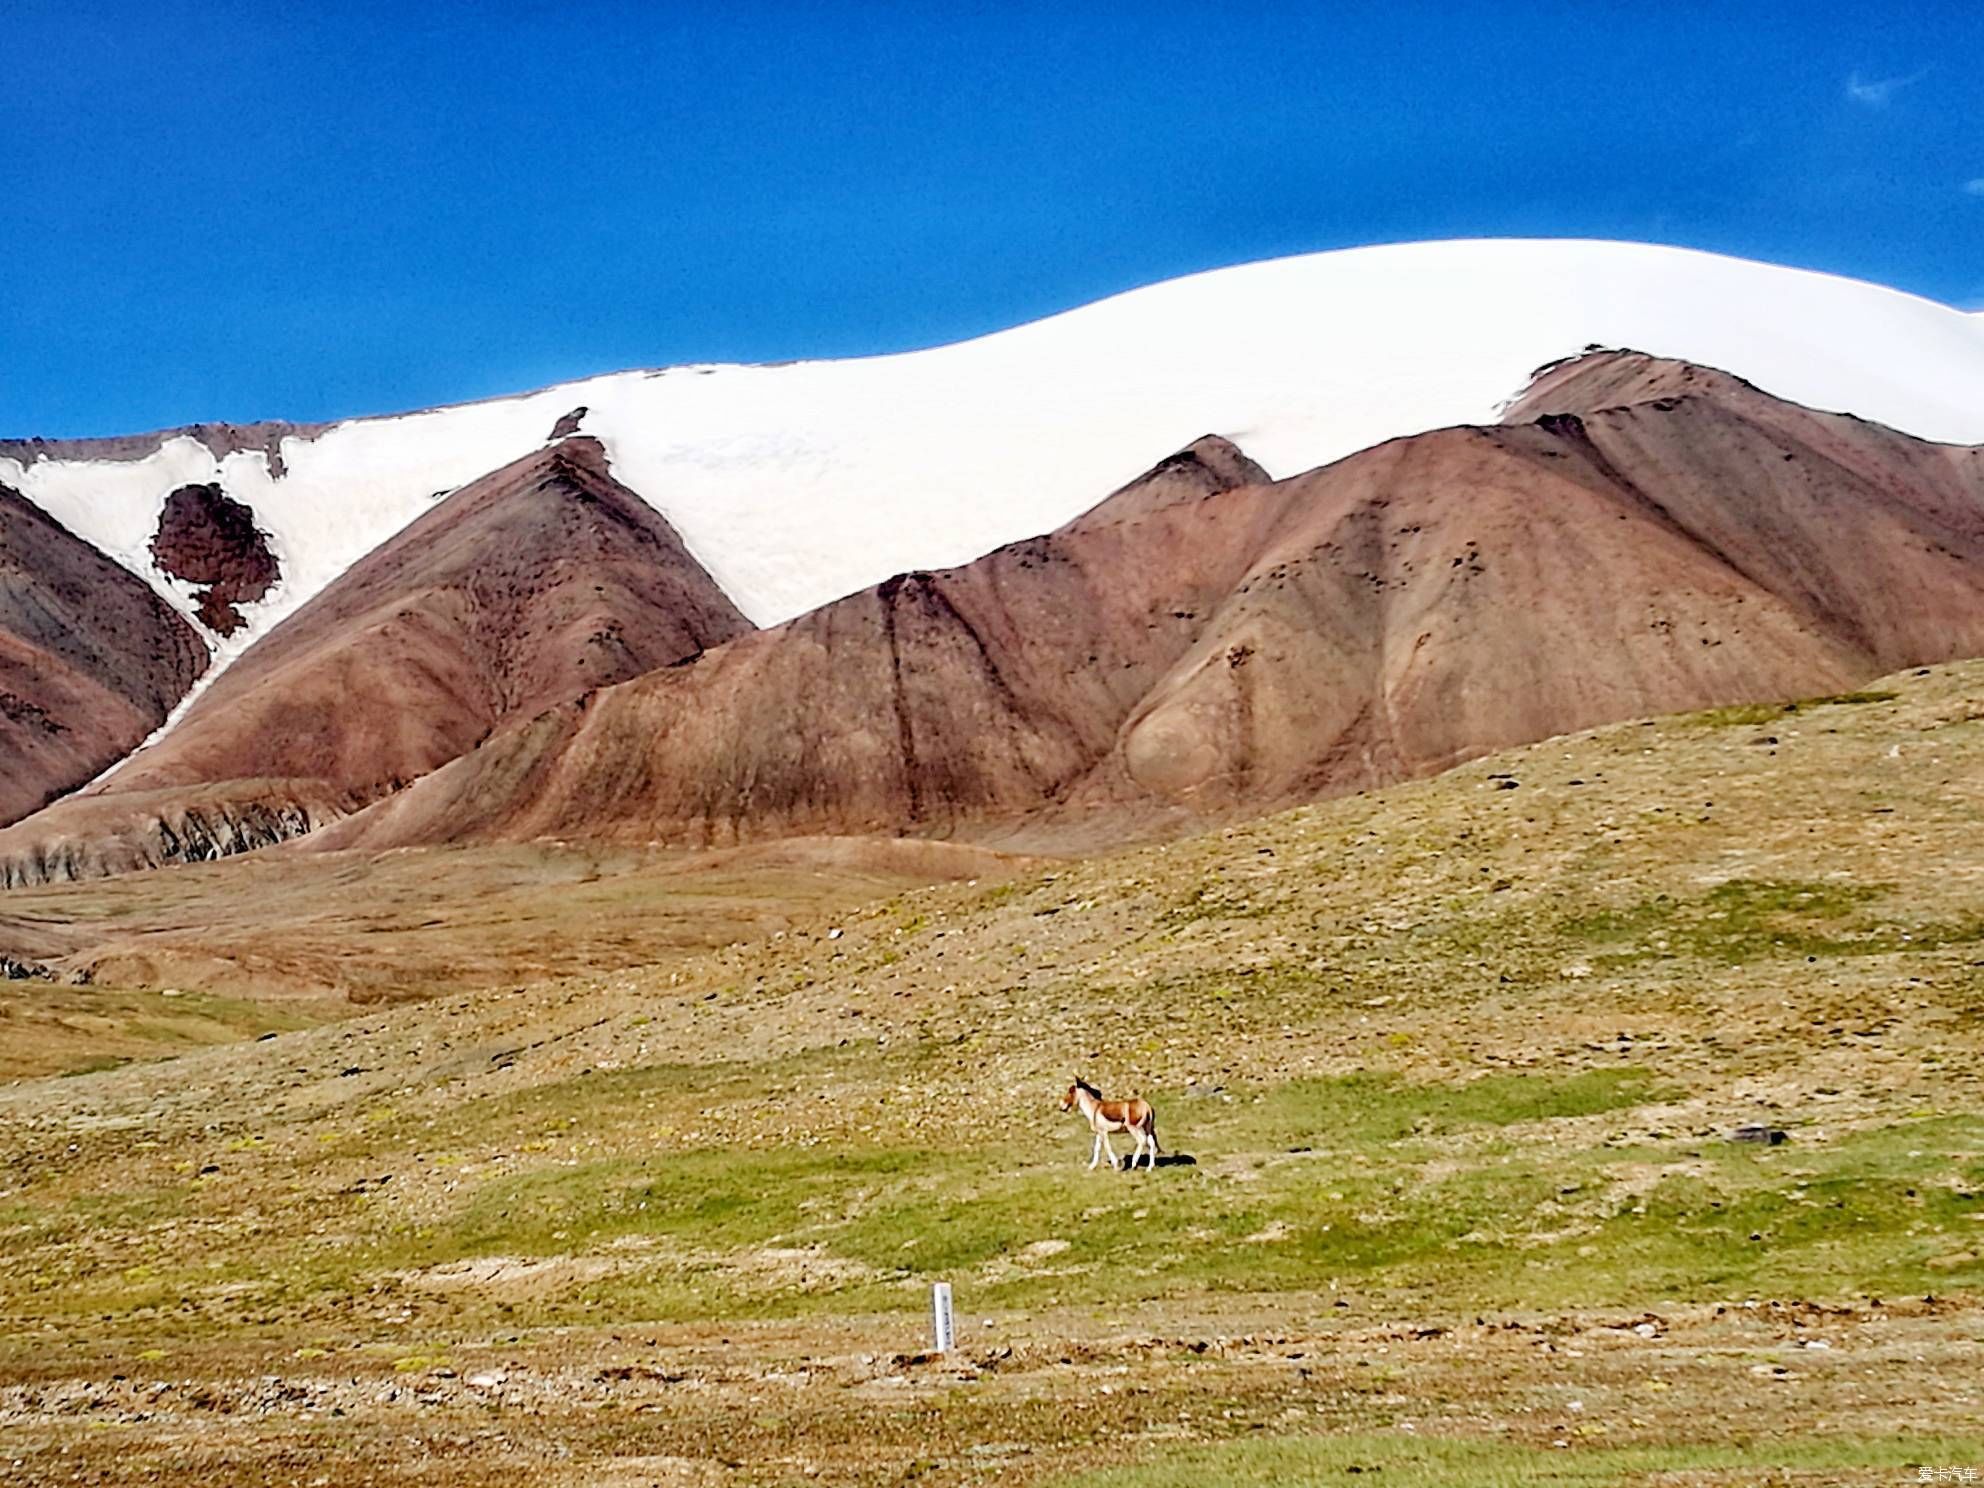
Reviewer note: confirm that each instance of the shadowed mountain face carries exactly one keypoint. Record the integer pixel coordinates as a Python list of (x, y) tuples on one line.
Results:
[(1206, 643), (524, 589), (91, 660)]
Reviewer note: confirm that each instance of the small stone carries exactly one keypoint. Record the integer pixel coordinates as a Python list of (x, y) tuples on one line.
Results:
[(1769, 1136)]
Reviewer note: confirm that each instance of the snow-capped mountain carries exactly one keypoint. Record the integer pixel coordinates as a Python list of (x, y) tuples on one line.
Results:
[(1265, 616), (794, 484)]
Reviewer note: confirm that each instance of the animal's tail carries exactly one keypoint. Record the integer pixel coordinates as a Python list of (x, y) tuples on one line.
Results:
[(1150, 1127)]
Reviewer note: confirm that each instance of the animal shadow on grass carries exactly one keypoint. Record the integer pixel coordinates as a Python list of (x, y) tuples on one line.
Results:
[(1166, 1160)]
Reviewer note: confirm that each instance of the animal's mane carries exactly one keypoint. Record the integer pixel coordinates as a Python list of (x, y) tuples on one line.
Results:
[(1081, 1084)]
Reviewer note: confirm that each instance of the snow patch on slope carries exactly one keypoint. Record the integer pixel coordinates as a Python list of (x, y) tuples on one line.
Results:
[(795, 484)]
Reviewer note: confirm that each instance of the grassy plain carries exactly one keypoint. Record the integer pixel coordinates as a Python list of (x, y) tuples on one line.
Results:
[(1448, 1076), (215, 952)]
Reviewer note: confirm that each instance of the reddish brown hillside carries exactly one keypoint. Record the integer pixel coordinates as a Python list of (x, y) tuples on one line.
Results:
[(1222, 648), (91, 660), (524, 589), (1205, 467), (922, 704), (1599, 379)]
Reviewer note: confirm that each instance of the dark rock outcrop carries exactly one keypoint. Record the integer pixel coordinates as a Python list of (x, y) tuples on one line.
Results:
[(208, 538)]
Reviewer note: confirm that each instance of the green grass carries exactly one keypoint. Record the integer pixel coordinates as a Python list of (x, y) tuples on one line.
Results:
[(1362, 1111), (1756, 713), (1887, 1210), (1403, 1461), (1214, 901), (81, 1030), (1746, 920), (708, 1198), (1504, 1190), (1368, 1198), (96, 1065), (930, 1210)]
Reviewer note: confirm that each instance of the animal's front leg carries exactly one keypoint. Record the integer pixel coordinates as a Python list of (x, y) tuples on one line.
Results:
[(1095, 1156), (1106, 1147)]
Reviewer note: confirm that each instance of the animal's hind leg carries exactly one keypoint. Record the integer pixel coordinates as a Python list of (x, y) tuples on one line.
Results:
[(1150, 1144)]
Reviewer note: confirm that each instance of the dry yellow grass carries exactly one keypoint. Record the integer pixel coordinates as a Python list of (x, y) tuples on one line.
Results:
[(209, 953)]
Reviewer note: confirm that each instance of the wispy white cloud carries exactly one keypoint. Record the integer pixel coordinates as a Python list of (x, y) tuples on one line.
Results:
[(1877, 92), (1974, 186)]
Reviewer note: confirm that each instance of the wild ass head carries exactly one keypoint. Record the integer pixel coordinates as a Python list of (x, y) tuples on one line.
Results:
[(1073, 1097)]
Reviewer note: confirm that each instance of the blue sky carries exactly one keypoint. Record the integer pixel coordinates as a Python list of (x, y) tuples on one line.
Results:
[(309, 211)]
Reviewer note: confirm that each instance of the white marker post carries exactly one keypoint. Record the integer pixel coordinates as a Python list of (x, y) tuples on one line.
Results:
[(940, 1315)]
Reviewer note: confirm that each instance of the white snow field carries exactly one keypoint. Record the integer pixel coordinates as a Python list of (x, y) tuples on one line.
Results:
[(797, 483)]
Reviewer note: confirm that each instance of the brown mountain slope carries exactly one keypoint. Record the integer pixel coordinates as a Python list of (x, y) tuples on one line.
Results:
[(1203, 468), (1161, 661), (1797, 477), (1939, 482), (920, 704), (526, 588), (91, 660), (1596, 379)]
